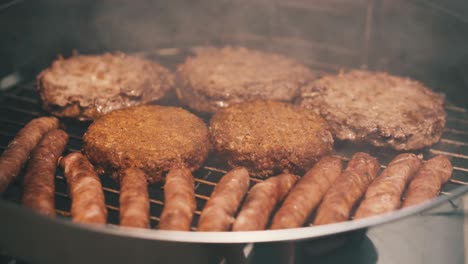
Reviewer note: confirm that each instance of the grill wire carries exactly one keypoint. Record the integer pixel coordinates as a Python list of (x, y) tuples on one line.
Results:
[(20, 104)]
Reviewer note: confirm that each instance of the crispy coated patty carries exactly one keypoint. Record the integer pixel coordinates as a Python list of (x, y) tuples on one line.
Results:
[(88, 86), (384, 110), (216, 78), (269, 137), (152, 138)]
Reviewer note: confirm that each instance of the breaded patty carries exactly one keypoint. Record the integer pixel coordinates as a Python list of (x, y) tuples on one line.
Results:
[(269, 137), (152, 138), (88, 86), (216, 78), (375, 107)]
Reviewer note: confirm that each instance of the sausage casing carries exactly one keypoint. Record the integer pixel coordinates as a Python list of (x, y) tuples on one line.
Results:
[(39, 185), (347, 189), (85, 189), (261, 201), (384, 193), (17, 152), (134, 198), (179, 200), (218, 213), (428, 180), (307, 193)]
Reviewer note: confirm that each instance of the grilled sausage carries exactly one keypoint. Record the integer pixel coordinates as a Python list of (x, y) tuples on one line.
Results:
[(307, 193), (347, 189), (179, 197), (261, 201), (428, 180), (384, 194), (85, 190), (17, 152), (219, 211), (134, 198), (39, 185)]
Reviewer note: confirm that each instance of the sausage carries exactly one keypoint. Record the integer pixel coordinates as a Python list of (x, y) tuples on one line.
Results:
[(307, 193), (428, 180), (85, 190), (384, 194), (134, 198), (39, 185), (261, 201), (218, 213), (179, 197), (17, 152), (347, 189)]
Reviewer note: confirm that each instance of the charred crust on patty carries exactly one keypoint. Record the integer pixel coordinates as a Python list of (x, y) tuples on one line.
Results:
[(87, 86), (151, 138), (269, 137), (378, 108), (217, 77)]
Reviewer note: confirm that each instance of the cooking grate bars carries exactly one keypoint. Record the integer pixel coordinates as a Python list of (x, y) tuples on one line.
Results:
[(20, 104)]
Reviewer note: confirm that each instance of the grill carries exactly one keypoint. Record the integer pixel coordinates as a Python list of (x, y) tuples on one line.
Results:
[(20, 104)]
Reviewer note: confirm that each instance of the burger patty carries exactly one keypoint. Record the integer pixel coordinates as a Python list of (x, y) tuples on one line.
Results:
[(88, 86), (151, 138), (269, 137), (375, 107), (216, 78)]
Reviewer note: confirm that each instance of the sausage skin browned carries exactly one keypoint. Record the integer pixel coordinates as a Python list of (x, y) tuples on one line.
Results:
[(347, 189), (218, 213), (307, 193), (85, 190), (428, 180), (17, 152), (384, 193), (134, 198), (261, 201), (39, 185), (179, 200)]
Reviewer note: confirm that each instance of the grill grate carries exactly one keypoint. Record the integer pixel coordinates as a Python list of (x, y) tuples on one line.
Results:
[(21, 103)]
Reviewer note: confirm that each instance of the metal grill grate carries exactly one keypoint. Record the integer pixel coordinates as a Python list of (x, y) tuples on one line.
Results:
[(21, 103)]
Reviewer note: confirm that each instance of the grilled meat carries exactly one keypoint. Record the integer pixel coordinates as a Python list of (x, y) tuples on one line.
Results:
[(269, 137), (134, 198), (216, 78), (378, 108), (88, 86)]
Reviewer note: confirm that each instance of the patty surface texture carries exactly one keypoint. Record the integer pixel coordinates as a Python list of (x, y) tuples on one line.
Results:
[(269, 137), (152, 138), (217, 77), (375, 107), (88, 86)]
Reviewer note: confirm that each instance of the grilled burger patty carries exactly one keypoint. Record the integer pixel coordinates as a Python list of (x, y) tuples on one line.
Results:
[(269, 137), (216, 78), (152, 138), (384, 110), (88, 86)]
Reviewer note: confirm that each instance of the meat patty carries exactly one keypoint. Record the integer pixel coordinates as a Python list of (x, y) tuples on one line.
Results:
[(384, 110), (216, 78), (269, 137), (88, 86), (151, 138)]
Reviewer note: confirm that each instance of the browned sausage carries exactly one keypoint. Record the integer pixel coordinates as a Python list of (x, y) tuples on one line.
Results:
[(17, 152), (428, 180), (179, 200), (347, 189), (39, 185), (384, 193), (85, 190), (218, 213), (134, 198), (261, 201), (307, 193)]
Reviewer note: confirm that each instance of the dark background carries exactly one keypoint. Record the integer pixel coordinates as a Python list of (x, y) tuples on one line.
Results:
[(426, 40)]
